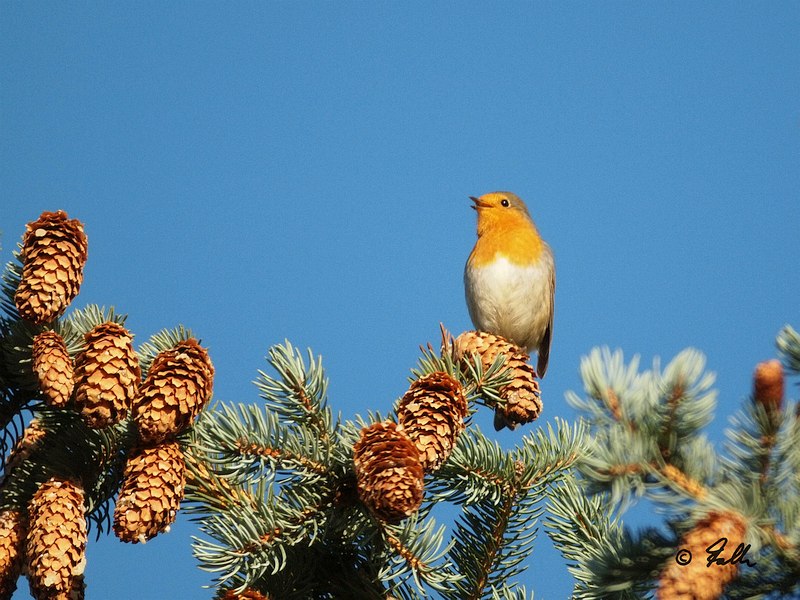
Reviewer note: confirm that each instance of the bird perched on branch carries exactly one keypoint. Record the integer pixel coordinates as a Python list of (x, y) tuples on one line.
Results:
[(510, 278)]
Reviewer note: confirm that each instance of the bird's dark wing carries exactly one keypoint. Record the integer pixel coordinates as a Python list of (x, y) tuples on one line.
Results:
[(544, 347)]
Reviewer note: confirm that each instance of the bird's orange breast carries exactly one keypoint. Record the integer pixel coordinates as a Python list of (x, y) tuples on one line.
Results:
[(517, 241)]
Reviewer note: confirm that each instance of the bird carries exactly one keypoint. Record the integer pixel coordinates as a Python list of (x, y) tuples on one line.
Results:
[(510, 278)]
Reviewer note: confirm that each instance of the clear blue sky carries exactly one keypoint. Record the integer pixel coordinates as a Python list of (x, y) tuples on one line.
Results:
[(261, 171)]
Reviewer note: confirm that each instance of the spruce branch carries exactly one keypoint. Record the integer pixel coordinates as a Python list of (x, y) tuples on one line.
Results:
[(501, 496), (478, 469), (665, 457), (603, 558), (788, 343), (299, 392), (513, 592), (431, 361), (547, 455), (12, 275), (208, 491), (68, 448), (246, 441), (16, 341), (606, 381), (249, 540), (15, 408), (661, 415), (683, 483), (752, 437), (491, 540), (417, 551)]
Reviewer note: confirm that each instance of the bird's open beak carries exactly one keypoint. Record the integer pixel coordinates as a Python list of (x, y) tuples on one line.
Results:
[(477, 203)]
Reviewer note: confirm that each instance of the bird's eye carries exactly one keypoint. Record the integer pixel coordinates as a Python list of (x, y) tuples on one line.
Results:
[(504, 203)]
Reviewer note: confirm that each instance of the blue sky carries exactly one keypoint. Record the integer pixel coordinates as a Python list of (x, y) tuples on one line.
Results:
[(262, 171)]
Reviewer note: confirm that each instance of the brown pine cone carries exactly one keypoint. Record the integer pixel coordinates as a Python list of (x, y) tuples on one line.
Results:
[(107, 375), (523, 402), (486, 345), (12, 539), (53, 367), (54, 250), (151, 493), (768, 385), (388, 472), (523, 398), (432, 414), (56, 539), (178, 386), (697, 580)]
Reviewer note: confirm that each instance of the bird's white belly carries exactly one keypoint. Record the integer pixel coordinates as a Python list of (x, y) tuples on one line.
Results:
[(511, 300)]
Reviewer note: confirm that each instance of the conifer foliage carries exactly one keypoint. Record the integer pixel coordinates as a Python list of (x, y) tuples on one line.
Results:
[(294, 503), (731, 525), (69, 386)]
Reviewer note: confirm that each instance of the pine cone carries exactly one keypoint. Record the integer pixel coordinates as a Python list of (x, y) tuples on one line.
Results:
[(12, 538), (107, 375), (151, 493), (53, 368), (697, 580), (768, 385), (388, 472), (31, 438), (523, 402), (176, 389), (486, 345), (56, 538), (523, 399), (53, 254), (432, 414)]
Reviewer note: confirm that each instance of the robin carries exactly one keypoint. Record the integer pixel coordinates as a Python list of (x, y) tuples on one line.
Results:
[(510, 278)]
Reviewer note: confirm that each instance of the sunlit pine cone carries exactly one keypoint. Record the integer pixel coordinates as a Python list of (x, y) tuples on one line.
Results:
[(177, 387), (432, 414), (696, 580), (56, 540), (27, 444), (107, 375), (768, 386), (523, 402), (388, 472), (486, 345), (12, 539), (523, 398), (54, 250), (151, 493), (53, 367)]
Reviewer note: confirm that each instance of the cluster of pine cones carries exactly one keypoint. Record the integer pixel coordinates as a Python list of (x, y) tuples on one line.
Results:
[(103, 384), (391, 459)]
